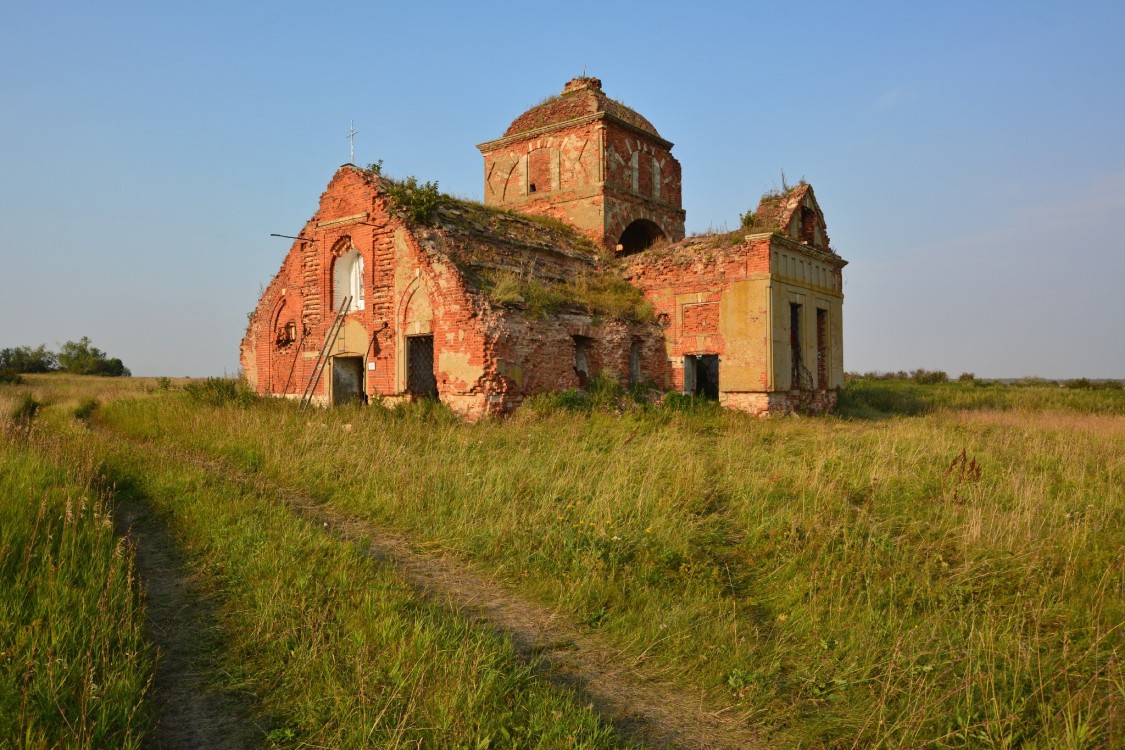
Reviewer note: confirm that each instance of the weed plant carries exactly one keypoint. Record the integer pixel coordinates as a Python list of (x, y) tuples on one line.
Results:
[(219, 392)]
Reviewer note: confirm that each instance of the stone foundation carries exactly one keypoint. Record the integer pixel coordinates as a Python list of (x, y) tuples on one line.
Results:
[(770, 404)]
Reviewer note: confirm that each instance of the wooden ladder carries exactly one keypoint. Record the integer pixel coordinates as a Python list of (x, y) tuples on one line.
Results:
[(322, 358)]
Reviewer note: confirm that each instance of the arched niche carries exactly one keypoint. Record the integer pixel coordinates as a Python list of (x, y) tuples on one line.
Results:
[(415, 341)]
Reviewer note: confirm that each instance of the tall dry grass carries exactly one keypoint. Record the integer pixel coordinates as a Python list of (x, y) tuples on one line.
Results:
[(951, 579), (74, 663)]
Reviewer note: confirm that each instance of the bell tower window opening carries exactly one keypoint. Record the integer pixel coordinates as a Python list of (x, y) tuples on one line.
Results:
[(347, 278)]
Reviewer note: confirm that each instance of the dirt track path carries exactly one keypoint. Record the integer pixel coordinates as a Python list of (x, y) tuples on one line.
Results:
[(189, 714), (655, 714)]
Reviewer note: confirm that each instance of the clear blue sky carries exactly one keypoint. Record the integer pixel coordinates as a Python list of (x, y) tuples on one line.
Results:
[(969, 157)]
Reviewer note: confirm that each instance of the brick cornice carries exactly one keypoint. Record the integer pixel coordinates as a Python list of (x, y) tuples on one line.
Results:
[(793, 245)]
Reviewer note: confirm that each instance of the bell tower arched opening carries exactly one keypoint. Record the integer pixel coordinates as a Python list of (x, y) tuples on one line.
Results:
[(638, 236)]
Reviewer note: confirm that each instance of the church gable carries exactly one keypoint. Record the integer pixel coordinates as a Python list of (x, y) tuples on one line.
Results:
[(793, 213)]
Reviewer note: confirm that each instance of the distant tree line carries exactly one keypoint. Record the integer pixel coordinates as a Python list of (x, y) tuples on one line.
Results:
[(75, 357), (935, 377)]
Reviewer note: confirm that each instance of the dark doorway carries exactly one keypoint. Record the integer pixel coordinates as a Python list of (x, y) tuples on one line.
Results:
[(640, 235), (701, 375), (347, 380), (420, 378)]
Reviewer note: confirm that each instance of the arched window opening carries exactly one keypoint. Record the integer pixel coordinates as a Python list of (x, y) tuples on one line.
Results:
[(638, 236), (808, 226), (348, 280)]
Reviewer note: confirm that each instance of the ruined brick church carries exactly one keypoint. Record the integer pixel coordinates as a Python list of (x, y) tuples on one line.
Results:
[(575, 267)]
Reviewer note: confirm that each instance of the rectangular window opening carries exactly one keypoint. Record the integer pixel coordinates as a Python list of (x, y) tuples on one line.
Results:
[(582, 359), (634, 364), (797, 381), (821, 348)]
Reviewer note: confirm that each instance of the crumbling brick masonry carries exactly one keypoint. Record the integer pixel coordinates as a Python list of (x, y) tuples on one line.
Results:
[(582, 195)]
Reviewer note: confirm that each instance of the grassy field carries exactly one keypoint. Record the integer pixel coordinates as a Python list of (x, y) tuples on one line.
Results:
[(74, 664), (944, 566), (325, 647)]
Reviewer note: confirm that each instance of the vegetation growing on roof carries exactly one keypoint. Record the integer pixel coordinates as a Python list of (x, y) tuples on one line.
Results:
[(498, 214), (752, 222), (601, 292), (767, 216), (417, 200), (464, 217)]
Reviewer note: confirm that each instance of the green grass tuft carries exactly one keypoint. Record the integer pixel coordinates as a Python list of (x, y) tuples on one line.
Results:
[(221, 392)]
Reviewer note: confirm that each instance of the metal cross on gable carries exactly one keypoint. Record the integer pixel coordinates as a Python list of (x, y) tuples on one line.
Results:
[(351, 137)]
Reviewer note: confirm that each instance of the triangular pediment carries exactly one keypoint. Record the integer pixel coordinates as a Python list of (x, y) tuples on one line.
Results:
[(795, 214)]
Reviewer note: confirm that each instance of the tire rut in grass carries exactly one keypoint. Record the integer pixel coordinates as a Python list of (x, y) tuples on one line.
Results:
[(188, 712), (655, 714)]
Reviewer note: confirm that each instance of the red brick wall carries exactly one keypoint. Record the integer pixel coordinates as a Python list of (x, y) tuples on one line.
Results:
[(701, 318), (488, 359), (302, 290), (537, 355), (685, 285), (513, 355)]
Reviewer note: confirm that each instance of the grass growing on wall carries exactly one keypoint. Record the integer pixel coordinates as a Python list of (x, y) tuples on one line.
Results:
[(597, 293), (953, 580)]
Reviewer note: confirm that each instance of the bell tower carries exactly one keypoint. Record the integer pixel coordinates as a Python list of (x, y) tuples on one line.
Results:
[(591, 162)]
